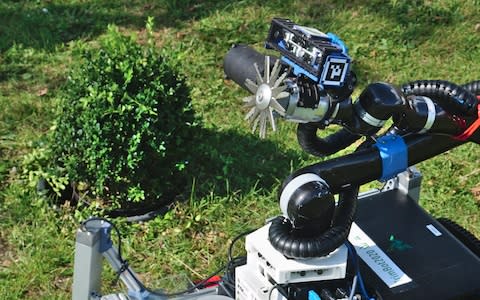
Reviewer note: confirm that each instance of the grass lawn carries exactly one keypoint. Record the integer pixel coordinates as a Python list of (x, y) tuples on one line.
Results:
[(235, 188)]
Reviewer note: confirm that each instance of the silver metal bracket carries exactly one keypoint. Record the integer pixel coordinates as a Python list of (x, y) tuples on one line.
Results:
[(87, 266), (408, 182), (93, 243)]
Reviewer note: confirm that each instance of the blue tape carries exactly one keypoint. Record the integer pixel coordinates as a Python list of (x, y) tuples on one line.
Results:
[(394, 154), (297, 70)]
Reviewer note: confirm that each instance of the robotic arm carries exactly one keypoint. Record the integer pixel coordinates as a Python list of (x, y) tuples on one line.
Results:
[(302, 252), (428, 117)]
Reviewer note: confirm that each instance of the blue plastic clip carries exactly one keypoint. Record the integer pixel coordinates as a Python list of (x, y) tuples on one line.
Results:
[(394, 154), (105, 240), (313, 296), (297, 70), (336, 40), (139, 295)]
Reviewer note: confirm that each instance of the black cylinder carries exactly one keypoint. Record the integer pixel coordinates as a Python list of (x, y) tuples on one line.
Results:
[(365, 165), (343, 175), (342, 172), (238, 64), (381, 100)]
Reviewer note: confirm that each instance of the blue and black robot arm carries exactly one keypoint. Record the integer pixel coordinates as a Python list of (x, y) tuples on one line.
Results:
[(428, 117)]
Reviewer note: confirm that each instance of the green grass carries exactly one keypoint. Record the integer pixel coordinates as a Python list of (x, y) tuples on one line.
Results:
[(234, 184)]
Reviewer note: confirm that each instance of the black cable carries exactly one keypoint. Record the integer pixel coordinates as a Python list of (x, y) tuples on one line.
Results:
[(232, 262), (313, 144), (124, 264), (473, 87), (230, 248), (270, 291), (280, 289), (229, 278), (84, 223), (186, 291)]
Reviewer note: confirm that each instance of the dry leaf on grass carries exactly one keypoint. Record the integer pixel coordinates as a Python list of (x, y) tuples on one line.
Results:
[(42, 92), (476, 193)]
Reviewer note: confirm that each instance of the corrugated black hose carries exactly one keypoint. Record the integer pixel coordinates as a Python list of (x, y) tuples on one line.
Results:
[(283, 237), (312, 144), (473, 87), (451, 97)]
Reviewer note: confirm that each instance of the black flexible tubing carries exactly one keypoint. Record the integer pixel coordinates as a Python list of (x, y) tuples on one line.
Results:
[(340, 173), (473, 87), (312, 144), (451, 97), (283, 238)]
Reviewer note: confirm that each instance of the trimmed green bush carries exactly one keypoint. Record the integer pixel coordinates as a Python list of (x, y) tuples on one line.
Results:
[(125, 125)]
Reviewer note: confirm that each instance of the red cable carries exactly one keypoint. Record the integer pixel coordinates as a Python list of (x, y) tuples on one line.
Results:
[(473, 127)]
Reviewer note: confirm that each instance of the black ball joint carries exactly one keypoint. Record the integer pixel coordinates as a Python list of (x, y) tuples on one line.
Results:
[(307, 202), (313, 224)]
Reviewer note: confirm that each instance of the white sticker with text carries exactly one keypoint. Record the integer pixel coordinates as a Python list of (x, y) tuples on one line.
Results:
[(376, 259)]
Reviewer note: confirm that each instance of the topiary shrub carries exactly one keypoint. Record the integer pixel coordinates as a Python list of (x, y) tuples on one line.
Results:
[(125, 123)]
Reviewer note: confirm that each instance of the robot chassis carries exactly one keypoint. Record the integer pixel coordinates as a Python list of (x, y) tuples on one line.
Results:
[(315, 250)]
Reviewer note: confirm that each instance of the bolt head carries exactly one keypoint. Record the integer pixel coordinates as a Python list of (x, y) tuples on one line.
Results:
[(263, 96)]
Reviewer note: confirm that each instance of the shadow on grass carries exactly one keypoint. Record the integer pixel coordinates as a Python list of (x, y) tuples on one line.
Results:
[(222, 164), (226, 162), (49, 24)]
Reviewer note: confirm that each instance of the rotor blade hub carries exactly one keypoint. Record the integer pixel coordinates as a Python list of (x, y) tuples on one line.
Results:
[(263, 96)]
